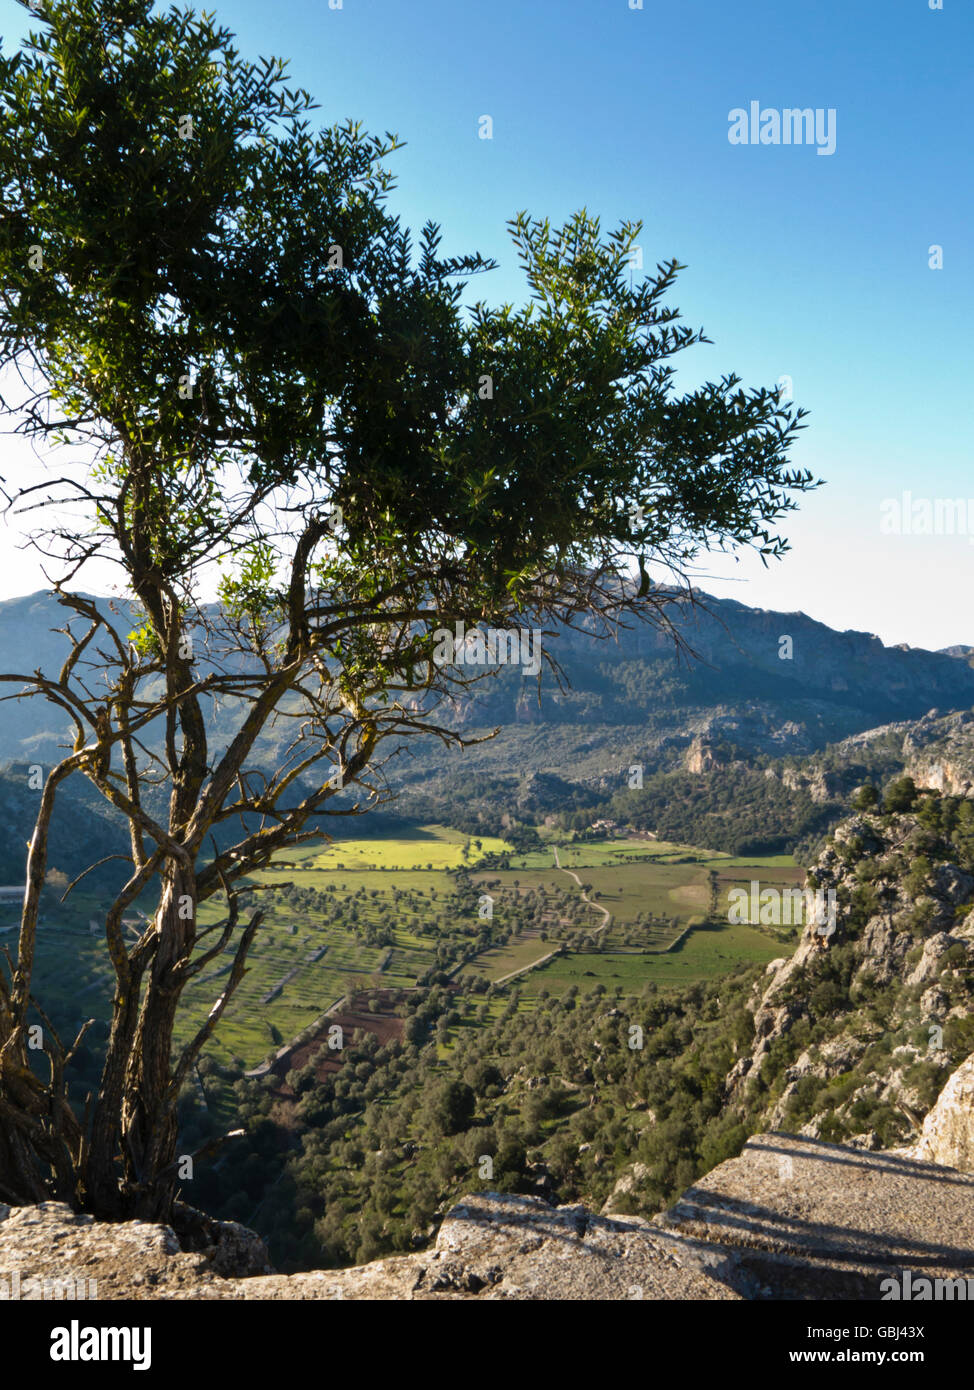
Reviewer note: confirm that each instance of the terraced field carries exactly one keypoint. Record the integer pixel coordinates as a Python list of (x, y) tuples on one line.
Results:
[(372, 913), (705, 953), (302, 961)]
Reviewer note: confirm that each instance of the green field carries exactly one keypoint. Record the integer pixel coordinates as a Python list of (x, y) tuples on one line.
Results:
[(581, 853), (702, 955), (617, 851), (425, 847), (372, 912), (504, 960)]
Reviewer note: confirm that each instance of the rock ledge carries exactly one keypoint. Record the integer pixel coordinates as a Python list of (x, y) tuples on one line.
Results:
[(791, 1218)]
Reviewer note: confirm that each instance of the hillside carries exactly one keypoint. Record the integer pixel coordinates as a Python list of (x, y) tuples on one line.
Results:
[(704, 733), (635, 701), (854, 1039), (599, 1079), (736, 687), (84, 829), (703, 790)]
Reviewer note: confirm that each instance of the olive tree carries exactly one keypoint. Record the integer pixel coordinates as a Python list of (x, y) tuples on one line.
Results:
[(249, 381)]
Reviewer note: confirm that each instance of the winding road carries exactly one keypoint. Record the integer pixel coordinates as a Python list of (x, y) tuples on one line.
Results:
[(585, 898), (550, 955)]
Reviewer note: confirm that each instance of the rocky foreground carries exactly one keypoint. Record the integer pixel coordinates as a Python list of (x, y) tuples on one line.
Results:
[(790, 1218)]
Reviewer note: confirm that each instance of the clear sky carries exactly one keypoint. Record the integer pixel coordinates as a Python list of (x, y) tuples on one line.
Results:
[(810, 266)]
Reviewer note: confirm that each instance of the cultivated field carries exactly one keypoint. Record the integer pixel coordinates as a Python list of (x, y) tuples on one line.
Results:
[(377, 914)]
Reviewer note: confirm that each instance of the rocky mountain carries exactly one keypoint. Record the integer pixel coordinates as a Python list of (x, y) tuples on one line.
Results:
[(715, 794), (760, 684), (936, 750), (809, 722), (754, 659), (757, 745), (764, 681), (939, 752)]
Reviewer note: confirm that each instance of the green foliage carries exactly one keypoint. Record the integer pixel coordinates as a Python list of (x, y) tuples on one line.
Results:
[(866, 798), (900, 796), (231, 302), (737, 809)]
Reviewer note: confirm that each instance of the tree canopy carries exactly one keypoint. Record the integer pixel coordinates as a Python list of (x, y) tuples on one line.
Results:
[(259, 381)]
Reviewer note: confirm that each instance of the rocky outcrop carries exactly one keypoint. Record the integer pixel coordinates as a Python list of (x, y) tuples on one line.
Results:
[(700, 756), (49, 1244), (948, 1130), (489, 1245), (938, 752), (808, 1219), (821, 785), (626, 1185), (789, 1219), (128, 1259), (913, 944)]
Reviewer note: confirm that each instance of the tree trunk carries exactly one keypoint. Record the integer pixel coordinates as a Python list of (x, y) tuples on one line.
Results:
[(135, 1120), (149, 1121)]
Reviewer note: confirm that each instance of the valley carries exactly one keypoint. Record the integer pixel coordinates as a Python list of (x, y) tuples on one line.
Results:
[(531, 972), (384, 915)]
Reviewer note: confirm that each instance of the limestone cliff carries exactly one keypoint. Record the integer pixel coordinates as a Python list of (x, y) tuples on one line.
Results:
[(863, 1024), (948, 1131)]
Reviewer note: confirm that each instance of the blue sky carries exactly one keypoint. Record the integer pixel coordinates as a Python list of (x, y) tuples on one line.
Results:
[(809, 266)]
